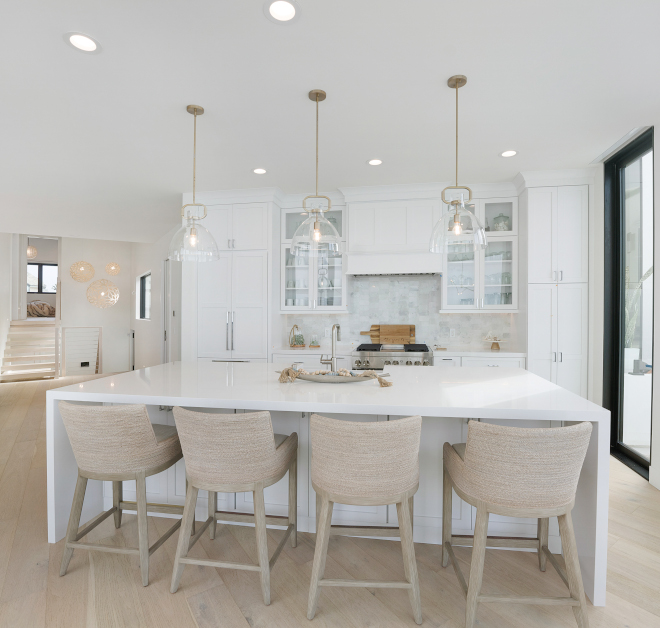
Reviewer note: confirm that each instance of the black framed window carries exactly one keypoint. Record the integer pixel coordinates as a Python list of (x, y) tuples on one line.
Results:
[(628, 338), (42, 278), (145, 296)]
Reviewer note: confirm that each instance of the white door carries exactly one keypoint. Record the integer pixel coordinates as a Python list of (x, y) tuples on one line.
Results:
[(218, 222), (249, 311), (542, 235), (572, 229), (249, 226), (542, 330), (214, 308), (572, 337)]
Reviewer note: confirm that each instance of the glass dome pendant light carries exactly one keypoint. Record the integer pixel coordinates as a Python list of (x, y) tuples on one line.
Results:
[(457, 225), (317, 234), (193, 242)]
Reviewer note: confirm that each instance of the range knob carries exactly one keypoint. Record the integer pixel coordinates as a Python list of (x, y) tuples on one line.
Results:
[(425, 363), (408, 363), (366, 362), (388, 362), (395, 362), (418, 363), (358, 362)]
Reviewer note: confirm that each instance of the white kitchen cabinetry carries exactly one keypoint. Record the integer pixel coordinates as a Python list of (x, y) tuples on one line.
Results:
[(485, 280), (440, 361), (232, 306), (494, 362), (558, 234), (558, 334), (391, 226), (239, 227)]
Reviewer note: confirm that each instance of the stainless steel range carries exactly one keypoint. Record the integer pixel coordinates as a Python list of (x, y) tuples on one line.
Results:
[(377, 357)]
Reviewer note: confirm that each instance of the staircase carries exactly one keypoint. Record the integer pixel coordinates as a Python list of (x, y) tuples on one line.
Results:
[(30, 352)]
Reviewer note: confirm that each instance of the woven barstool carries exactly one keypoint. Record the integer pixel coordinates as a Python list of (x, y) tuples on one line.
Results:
[(230, 453), (365, 464), (118, 443), (516, 472)]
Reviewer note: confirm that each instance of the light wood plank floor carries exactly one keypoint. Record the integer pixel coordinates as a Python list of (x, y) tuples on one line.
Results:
[(102, 590)]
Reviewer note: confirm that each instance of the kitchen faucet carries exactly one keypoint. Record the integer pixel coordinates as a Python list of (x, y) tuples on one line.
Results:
[(336, 335)]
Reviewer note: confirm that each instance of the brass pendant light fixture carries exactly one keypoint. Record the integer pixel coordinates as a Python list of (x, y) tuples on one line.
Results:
[(316, 234), (457, 225), (193, 242)]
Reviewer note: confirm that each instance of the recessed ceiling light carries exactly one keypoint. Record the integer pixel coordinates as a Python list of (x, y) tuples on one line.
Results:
[(508, 153), (259, 171), (375, 162), (82, 42), (280, 11)]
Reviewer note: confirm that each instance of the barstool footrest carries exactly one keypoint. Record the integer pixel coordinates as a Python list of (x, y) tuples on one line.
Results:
[(218, 564), (93, 523), (169, 509), (457, 570), (372, 584), (102, 548), (195, 538), (466, 540), (165, 536), (556, 565), (248, 517), (364, 531), (530, 599)]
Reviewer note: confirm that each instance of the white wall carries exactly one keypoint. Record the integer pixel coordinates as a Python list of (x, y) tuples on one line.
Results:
[(5, 288), (76, 309), (149, 334)]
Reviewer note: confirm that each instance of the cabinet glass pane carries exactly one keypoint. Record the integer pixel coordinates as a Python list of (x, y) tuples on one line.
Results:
[(498, 273), (461, 272), (296, 278), (498, 216), (329, 280), (293, 220)]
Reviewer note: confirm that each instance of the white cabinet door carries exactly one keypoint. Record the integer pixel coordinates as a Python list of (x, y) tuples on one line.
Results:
[(249, 226), (362, 227), (438, 361), (572, 229), (572, 337), (391, 227), (419, 224), (249, 311), (214, 281), (542, 235), (495, 362), (542, 330), (218, 222)]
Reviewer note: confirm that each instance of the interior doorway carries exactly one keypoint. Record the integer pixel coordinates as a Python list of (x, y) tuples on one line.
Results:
[(42, 279)]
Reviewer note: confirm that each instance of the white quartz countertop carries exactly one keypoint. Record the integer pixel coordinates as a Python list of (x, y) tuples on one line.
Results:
[(346, 349), (468, 392)]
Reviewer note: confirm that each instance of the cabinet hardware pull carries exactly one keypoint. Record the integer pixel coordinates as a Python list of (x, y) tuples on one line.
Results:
[(233, 243), (554, 356), (554, 275), (227, 334), (232, 331), (561, 356), (228, 244), (494, 365)]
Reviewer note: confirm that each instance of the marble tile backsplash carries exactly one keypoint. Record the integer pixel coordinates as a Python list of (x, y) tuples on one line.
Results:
[(411, 300)]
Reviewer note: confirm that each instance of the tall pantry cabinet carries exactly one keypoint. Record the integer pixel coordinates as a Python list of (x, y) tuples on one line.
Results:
[(556, 220)]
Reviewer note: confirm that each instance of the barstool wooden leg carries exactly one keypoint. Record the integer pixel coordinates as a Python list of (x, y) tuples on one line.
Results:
[(409, 562), (476, 566), (143, 536), (318, 514), (320, 553), (184, 536), (543, 526), (192, 531), (117, 498), (575, 585), (293, 501), (446, 516), (74, 522), (213, 506), (262, 541)]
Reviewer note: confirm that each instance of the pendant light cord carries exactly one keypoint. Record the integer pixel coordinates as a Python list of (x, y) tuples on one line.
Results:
[(195, 152), (317, 144), (456, 134)]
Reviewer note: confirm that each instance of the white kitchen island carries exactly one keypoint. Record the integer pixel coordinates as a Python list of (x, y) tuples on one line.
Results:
[(445, 397)]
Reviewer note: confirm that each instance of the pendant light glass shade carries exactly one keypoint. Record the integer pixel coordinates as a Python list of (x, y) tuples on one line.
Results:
[(193, 243), (31, 251), (458, 225)]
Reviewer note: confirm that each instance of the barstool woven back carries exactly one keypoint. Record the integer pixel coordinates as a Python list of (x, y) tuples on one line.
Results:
[(224, 449), (522, 467), (114, 439), (365, 460)]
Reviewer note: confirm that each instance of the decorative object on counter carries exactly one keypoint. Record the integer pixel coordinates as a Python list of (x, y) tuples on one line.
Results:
[(81, 271), (494, 340), (438, 348), (31, 250), (112, 268), (317, 235), (340, 376), (296, 339), (314, 342), (193, 242), (391, 334), (457, 224), (502, 223), (40, 308), (103, 293)]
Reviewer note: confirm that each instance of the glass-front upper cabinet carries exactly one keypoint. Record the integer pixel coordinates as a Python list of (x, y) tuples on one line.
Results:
[(499, 216), (293, 218), (460, 277), (499, 274)]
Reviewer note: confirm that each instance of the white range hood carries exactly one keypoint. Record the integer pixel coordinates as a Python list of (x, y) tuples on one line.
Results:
[(394, 264)]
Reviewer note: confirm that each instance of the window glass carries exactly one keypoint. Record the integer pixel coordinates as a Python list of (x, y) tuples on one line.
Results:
[(49, 279), (33, 277), (145, 296)]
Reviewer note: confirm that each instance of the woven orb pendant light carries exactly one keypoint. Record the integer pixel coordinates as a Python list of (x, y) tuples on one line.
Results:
[(31, 251)]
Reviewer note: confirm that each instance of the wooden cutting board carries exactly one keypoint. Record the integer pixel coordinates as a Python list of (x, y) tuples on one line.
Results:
[(391, 334)]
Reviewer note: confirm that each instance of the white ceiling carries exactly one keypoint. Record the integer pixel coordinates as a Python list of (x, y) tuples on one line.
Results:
[(100, 145)]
